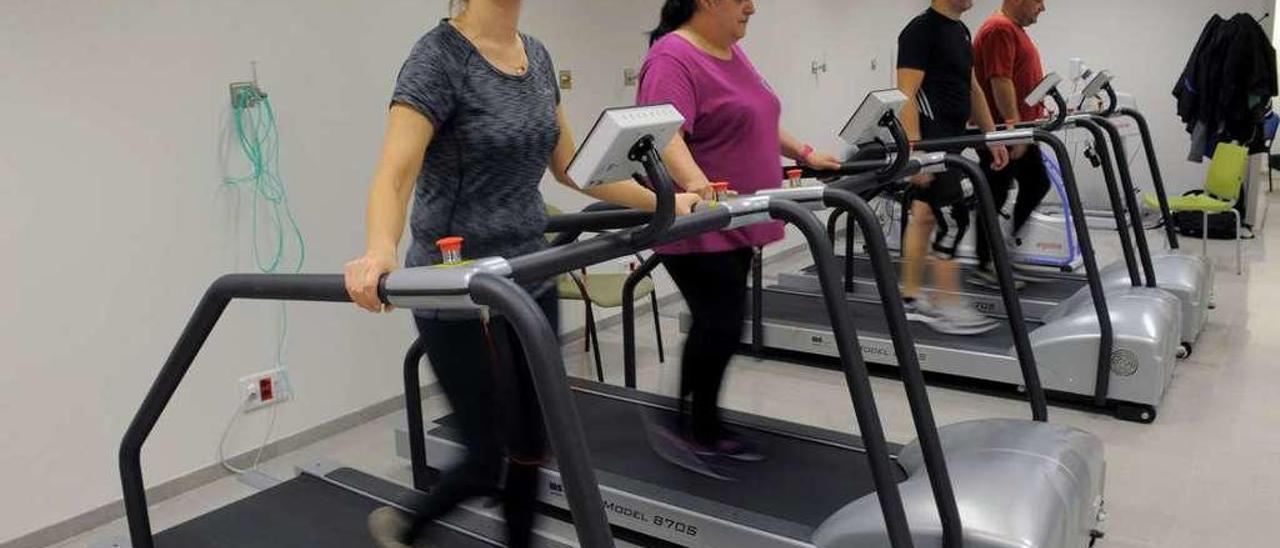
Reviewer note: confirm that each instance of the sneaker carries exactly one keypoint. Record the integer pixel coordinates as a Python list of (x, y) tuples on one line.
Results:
[(919, 309), (962, 319), (667, 443), (732, 447), (986, 277), (958, 319), (390, 528)]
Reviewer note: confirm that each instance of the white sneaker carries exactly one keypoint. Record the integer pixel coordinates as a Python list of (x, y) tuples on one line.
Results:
[(956, 319), (919, 309)]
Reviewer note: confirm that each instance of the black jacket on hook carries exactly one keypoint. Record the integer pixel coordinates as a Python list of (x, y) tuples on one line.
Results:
[(1226, 88)]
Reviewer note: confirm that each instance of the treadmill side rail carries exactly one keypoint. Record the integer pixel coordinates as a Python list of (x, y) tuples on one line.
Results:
[(1019, 484)]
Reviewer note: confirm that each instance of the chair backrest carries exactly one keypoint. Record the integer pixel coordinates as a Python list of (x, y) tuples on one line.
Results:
[(1226, 173), (1270, 124)]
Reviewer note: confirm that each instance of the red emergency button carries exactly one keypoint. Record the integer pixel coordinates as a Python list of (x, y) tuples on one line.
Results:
[(451, 249)]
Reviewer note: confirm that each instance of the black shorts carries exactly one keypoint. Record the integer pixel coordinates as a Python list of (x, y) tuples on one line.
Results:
[(950, 197)]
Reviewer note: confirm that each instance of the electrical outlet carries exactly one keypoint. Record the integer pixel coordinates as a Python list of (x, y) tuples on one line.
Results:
[(265, 389), (630, 78), (566, 80)]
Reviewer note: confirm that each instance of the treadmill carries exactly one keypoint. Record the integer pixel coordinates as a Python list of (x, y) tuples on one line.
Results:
[(1001, 483), (1112, 350), (1188, 277), (327, 505)]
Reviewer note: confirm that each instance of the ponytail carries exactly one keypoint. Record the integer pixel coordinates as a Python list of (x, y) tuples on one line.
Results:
[(675, 13)]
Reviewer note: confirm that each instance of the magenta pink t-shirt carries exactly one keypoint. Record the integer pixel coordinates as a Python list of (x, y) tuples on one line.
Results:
[(731, 126)]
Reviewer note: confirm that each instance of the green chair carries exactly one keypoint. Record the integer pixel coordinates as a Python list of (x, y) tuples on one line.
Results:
[(1222, 188), (605, 291)]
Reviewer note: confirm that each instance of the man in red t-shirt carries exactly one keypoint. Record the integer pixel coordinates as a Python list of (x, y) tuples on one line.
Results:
[(1007, 64)]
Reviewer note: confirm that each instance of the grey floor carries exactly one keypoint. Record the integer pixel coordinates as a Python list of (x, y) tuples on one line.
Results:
[(1207, 474)]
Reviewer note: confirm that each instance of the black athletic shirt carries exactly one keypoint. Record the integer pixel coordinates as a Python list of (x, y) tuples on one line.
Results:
[(943, 48)]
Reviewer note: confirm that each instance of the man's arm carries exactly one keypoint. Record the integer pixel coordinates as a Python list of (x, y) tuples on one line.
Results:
[(982, 118), (1006, 99), (909, 82)]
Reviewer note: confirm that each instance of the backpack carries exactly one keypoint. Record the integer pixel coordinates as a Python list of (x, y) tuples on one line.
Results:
[(1222, 226)]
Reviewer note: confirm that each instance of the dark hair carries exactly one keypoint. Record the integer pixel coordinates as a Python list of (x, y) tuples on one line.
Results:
[(675, 13)]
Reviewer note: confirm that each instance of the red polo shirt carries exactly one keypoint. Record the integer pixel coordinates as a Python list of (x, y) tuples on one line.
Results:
[(1002, 48)]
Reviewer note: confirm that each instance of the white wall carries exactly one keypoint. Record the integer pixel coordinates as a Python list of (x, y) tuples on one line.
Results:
[(112, 220), (1146, 43), (113, 223)]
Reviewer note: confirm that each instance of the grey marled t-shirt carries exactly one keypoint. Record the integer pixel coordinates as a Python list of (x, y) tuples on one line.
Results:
[(494, 135)]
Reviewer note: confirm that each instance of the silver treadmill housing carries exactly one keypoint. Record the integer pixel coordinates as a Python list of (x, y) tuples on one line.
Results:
[(1145, 321), (1188, 277), (1018, 484)]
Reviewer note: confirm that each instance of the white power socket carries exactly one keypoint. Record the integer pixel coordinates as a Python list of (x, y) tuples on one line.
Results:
[(266, 389)]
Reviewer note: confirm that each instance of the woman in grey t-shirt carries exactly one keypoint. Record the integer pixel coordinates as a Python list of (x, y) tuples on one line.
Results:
[(474, 124)]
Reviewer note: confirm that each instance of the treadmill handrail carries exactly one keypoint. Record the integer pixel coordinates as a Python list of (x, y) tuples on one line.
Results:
[(1004, 270), (1130, 203), (546, 367), (913, 376), (1093, 275), (855, 370), (988, 215), (908, 361), (1157, 178), (659, 180), (629, 316), (1090, 125), (856, 374)]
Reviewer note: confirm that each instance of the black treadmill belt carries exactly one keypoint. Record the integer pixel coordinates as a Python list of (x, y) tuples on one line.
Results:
[(1054, 290), (789, 494), (304, 512), (809, 310)]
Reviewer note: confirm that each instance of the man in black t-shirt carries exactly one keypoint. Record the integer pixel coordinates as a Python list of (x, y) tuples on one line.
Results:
[(935, 70)]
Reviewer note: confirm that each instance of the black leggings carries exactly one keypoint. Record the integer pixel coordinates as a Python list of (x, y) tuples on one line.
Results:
[(486, 378), (714, 286), (1033, 185)]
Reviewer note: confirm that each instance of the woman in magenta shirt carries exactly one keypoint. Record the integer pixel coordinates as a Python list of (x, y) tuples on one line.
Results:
[(731, 134)]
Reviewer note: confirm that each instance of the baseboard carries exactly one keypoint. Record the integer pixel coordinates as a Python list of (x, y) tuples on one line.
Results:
[(113, 511)]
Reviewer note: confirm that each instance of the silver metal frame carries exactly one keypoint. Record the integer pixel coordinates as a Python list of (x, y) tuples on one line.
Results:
[(1204, 238)]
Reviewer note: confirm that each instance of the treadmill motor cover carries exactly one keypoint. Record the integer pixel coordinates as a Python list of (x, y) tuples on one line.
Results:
[(1017, 483)]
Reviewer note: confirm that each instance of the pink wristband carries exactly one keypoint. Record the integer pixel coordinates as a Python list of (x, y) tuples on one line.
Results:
[(805, 153)]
